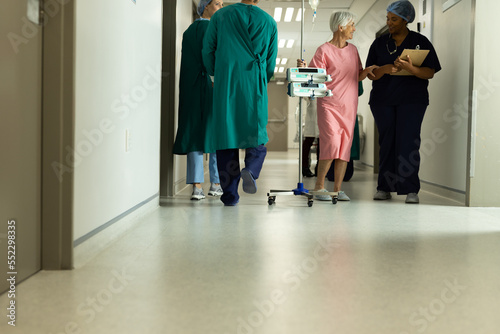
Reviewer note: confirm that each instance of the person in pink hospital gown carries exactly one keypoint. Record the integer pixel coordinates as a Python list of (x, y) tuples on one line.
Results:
[(337, 113)]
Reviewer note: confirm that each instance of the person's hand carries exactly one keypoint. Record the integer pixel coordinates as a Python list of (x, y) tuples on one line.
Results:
[(395, 69), (404, 64), (301, 63), (369, 71), (390, 68)]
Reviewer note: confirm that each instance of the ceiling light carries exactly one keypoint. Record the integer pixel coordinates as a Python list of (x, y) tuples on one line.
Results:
[(281, 43), (280, 83), (277, 13), (284, 61), (299, 15), (290, 43), (275, 69), (278, 60), (281, 69), (289, 14)]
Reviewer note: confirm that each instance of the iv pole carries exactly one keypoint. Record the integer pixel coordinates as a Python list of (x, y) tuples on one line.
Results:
[(300, 190), (300, 98), (300, 186)]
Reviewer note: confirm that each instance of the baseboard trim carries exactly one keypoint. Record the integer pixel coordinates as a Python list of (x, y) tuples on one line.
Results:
[(94, 242), (437, 189), (443, 191)]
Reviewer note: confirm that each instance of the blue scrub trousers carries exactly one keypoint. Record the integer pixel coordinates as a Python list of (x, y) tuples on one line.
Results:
[(399, 139), (195, 172), (228, 162)]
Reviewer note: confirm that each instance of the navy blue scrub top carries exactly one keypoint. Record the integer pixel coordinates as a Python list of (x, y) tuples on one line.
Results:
[(392, 90)]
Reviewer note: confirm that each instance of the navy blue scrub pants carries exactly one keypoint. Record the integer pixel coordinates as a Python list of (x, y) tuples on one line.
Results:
[(399, 139), (228, 164)]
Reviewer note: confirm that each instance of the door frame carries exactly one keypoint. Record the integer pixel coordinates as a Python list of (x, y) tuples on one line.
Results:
[(58, 118), (168, 99), (471, 107)]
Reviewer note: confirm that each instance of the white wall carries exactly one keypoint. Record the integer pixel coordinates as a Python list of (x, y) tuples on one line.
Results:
[(485, 181), (118, 74), (444, 131)]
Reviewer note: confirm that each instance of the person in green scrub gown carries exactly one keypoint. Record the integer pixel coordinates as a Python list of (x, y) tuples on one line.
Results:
[(195, 102), (239, 52)]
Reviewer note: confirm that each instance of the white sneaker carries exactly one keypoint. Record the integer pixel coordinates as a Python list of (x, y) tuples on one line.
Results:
[(342, 196), (197, 194), (322, 197), (381, 195), (215, 190), (412, 198)]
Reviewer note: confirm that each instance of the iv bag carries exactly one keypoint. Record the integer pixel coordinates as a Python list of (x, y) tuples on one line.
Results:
[(314, 4)]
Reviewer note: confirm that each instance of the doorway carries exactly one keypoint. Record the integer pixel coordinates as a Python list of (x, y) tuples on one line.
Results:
[(277, 127), (20, 146), (36, 129)]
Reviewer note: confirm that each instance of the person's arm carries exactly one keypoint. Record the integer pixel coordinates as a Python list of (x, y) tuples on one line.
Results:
[(272, 52), (209, 47), (379, 72), (373, 59), (367, 72), (318, 60), (420, 72)]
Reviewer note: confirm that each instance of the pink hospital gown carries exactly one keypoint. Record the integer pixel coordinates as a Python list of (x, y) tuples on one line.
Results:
[(337, 113)]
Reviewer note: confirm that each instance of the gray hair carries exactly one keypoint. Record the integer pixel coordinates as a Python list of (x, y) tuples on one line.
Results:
[(340, 19)]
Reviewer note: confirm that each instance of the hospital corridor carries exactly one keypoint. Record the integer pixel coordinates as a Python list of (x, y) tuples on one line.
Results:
[(114, 220), (354, 267)]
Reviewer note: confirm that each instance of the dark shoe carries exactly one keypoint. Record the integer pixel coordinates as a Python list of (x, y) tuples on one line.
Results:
[(307, 173), (249, 184), (381, 195)]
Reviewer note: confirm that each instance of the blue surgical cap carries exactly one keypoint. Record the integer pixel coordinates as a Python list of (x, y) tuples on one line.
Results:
[(202, 5), (404, 9)]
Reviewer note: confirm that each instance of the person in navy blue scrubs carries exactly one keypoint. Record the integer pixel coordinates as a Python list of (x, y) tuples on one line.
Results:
[(398, 103)]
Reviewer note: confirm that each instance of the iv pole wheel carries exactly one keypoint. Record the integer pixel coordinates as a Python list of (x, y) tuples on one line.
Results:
[(310, 202), (271, 200), (334, 199)]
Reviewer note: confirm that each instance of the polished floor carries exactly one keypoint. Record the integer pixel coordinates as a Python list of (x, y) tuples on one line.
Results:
[(359, 267)]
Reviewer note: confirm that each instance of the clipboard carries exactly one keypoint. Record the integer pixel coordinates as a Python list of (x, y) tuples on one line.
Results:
[(417, 57)]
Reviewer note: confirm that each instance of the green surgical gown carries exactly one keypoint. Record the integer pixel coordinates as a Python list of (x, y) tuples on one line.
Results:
[(355, 148), (239, 50), (195, 92)]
